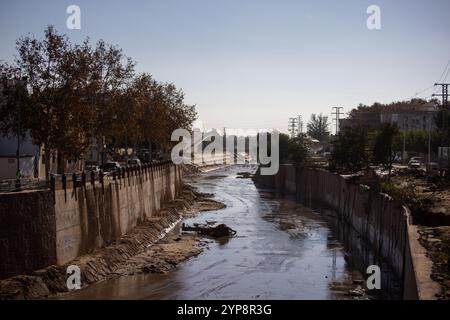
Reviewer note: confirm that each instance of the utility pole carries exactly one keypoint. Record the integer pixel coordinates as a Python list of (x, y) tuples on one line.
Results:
[(293, 126), (336, 114), (300, 124), (224, 154), (444, 96)]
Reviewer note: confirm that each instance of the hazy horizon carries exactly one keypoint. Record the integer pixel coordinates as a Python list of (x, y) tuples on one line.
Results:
[(254, 64)]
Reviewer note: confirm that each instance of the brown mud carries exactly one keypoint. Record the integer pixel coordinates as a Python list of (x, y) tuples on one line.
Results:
[(433, 218)]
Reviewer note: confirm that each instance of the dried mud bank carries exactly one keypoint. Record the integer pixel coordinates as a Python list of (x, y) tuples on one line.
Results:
[(147, 249), (432, 216), (437, 242)]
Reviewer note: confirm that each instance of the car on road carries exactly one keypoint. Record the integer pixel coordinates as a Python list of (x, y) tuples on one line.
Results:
[(90, 167), (144, 155), (415, 163), (134, 162), (110, 167)]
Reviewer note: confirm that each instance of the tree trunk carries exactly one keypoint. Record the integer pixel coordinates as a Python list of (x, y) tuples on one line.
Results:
[(47, 163), (61, 163)]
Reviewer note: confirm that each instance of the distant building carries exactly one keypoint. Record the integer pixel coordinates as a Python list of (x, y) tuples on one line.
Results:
[(32, 160), (407, 116), (410, 117), (29, 158)]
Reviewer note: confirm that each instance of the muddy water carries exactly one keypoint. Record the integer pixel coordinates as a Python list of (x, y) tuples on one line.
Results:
[(283, 251)]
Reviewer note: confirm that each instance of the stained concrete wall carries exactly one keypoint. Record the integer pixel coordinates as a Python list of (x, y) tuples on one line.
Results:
[(27, 232), (79, 215), (377, 219), (91, 215)]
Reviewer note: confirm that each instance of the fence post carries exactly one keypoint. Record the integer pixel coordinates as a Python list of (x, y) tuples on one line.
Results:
[(100, 178), (83, 179), (63, 180), (53, 188), (93, 178), (74, 183)]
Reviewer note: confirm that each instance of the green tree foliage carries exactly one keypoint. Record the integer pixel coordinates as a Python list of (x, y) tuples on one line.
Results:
[(441, 122), (317, 127), (13, 102), (383, 152), (293, 150), (440, 117), (284, 147), (416, 141), (298, 149), (350, 150)]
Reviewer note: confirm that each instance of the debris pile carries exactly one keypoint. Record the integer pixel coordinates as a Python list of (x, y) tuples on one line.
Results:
[(219, 231), (244, 175)]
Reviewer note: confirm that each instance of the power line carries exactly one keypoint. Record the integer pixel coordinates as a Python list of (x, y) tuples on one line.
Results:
[(443, 72), (448, 71), (444, 95), (293, 126), (424, 90), (300, 124), (442, 78)]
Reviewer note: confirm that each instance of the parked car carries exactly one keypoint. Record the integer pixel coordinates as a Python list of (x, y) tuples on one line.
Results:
[(91, 167), (110, 167), (134, 162), (415, 163), (145, 155)]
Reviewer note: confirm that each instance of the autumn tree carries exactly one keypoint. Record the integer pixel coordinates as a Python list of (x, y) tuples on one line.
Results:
[(55, 71), (13, 103), (77, 94), (159, 109), (111, 74)]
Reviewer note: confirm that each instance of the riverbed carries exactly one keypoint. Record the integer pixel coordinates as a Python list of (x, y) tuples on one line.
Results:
[(282, 250)]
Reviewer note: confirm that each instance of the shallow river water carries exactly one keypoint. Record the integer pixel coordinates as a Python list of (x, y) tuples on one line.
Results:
[(282, 250)]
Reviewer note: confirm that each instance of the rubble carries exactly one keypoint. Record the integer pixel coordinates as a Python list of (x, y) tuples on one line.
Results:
[(219, 231), (244, 175)]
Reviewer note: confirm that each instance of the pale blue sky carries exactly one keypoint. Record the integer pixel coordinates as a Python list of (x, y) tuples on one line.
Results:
[(254, 64)]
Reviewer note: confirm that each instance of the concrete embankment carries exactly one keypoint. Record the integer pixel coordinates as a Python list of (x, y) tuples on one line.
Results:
[(133, 253), (77, 218), (379, 221), (45, 227)]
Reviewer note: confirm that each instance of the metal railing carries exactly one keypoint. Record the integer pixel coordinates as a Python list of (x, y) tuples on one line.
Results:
[(75, 179)]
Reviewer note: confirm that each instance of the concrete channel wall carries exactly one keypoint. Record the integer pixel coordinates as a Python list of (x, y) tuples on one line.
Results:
[(377, 219), (27, 232), (79, 215)]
